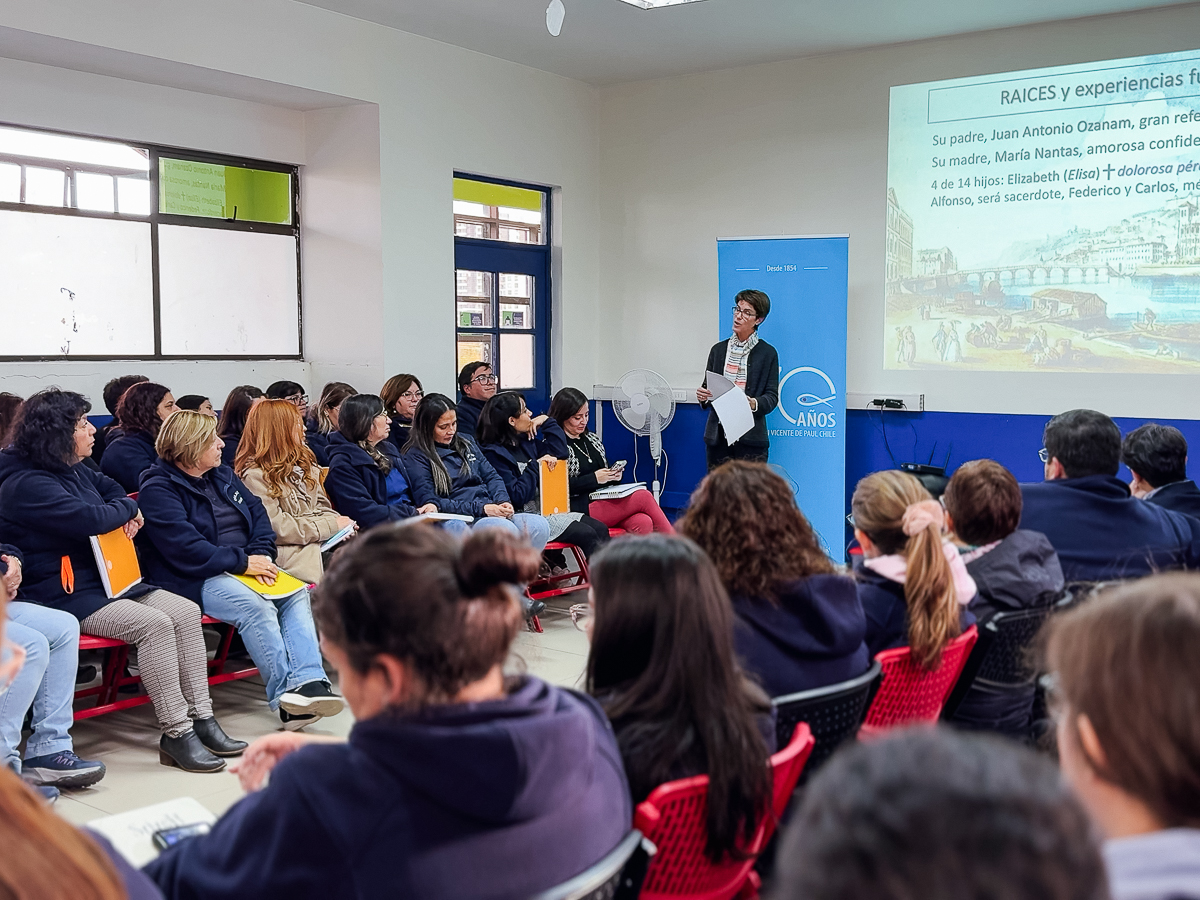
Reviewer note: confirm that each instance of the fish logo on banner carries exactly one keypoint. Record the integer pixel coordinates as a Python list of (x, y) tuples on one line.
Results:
[(813, 406)]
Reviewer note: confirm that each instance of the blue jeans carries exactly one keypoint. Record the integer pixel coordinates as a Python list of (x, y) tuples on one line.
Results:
[(46, 682), (278, 631), (534, 527)]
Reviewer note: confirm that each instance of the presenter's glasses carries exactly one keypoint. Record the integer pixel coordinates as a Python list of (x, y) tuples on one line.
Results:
[(744, 312)]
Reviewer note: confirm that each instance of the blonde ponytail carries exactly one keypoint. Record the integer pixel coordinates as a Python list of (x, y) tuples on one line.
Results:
[(897, 513)]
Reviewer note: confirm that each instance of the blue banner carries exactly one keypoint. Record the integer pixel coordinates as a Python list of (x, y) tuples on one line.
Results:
[(806, 279)]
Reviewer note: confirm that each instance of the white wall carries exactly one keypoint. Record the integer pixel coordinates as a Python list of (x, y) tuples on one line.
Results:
[(440, 108), (800, 147)]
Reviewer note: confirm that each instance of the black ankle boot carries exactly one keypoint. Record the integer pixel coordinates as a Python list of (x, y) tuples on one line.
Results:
[(216, 740), (187, 753)]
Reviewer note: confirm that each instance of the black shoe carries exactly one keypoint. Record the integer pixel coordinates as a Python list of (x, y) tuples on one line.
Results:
[(295, 723), (188, 753), (85, 674), (534, 608), (216, 740), (313, 699)]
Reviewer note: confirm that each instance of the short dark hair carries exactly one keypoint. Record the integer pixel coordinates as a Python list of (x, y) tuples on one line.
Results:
[(493, 426), (984, 500), (1157, 453), (934, 813), (566, 403), (138, 409), (468, 371), (191, 401), (117, 387), (1086, 442), (45, 434), (445, 608), (281, 390), (760, 301)]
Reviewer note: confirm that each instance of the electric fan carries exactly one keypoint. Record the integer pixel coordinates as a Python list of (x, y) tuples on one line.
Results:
[(643, 403)]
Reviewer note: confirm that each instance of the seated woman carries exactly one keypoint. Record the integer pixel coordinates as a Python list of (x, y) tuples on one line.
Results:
[(1012, 568), (588, 470), (197, 403), (401, 394), (140, 413), (912, 582), (50, 506), (367, 479), (662, 665), (323, 420), (449, 471), (515, 443), (275, 463), (453, 771), (233, 418), (44, 688), (203, 526), (1127, 688), (800, 624)]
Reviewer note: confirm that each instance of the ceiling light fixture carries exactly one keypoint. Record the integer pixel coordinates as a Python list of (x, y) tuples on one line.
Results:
[(555, 13), (655, 4)]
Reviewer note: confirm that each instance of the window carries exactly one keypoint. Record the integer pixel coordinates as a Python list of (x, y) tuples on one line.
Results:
[(502, 283), (115, 250)]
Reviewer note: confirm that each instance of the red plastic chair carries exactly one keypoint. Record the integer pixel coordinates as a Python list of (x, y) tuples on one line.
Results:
[(568, 583), (673, 819), (910, 694)]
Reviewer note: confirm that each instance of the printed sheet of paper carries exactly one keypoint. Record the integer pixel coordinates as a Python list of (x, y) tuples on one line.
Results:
[(732, 406)]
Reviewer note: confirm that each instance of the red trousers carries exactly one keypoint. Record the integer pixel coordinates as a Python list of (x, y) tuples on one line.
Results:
[(637, 514)]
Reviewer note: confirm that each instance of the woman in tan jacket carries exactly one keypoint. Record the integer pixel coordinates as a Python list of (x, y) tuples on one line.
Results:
[(276, 464)]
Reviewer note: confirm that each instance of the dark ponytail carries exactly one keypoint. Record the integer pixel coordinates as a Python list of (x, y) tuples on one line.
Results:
[(446, 609)]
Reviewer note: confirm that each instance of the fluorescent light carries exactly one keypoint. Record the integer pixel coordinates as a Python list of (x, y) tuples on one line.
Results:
[(655, 4)]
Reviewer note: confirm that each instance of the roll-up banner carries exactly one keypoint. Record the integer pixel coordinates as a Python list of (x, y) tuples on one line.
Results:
[(806, 279)]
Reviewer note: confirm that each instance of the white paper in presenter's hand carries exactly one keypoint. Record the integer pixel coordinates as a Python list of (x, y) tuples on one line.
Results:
[(732, 406)]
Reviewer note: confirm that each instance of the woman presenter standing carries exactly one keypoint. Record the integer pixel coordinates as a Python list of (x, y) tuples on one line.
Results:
[(753, 365)]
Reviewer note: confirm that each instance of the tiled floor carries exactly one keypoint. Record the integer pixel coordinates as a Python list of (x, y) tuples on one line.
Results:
[(127, 741)]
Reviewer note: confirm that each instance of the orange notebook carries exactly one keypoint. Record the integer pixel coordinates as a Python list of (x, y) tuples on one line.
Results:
[(117, 561), (556, 498)]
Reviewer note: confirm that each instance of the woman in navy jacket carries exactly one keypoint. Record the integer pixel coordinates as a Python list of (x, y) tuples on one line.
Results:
[(800, 623), (452, 773), (515, 443), (367, 480), (449, 471), (202, 527), (142, 410), (50, 506)]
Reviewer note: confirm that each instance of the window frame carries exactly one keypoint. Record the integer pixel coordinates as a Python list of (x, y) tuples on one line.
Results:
[(541, 254), (157, 218)]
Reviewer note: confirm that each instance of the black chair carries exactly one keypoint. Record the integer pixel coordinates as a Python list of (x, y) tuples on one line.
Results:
[(833, 714), (618, 876), (1000, 660)]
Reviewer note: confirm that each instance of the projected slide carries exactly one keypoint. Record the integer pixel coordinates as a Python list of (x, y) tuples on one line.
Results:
[(1047, 220)]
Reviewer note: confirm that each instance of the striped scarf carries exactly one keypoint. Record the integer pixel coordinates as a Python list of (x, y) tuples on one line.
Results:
[(736, 356)]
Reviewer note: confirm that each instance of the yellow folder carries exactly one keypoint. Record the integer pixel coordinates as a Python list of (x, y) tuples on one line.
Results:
[(117, 561), (284, 584), (556, 498)]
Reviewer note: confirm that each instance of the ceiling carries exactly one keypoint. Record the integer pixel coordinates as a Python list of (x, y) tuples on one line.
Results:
[(606, 41)]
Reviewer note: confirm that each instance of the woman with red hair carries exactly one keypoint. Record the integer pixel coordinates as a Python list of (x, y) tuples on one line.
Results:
[(274, 461)]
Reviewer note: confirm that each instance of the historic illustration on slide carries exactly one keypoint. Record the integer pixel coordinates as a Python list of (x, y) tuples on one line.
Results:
[(1047, 220)]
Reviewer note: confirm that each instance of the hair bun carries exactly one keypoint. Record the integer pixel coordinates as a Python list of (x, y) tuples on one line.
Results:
[(494, 558)]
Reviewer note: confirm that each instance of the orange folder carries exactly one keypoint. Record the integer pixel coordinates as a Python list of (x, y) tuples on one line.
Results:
[(117, 561), (556, 498)]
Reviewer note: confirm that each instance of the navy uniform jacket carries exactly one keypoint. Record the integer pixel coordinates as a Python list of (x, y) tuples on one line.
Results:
[(519, 467), (358, 489), (1180, 496), (470, 490), (178, 544), (53, 514), (762, 384), (1101, 532), (127, 457)]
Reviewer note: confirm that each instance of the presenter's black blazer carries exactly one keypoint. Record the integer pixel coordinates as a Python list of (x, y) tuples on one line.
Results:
[(762, 383)]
